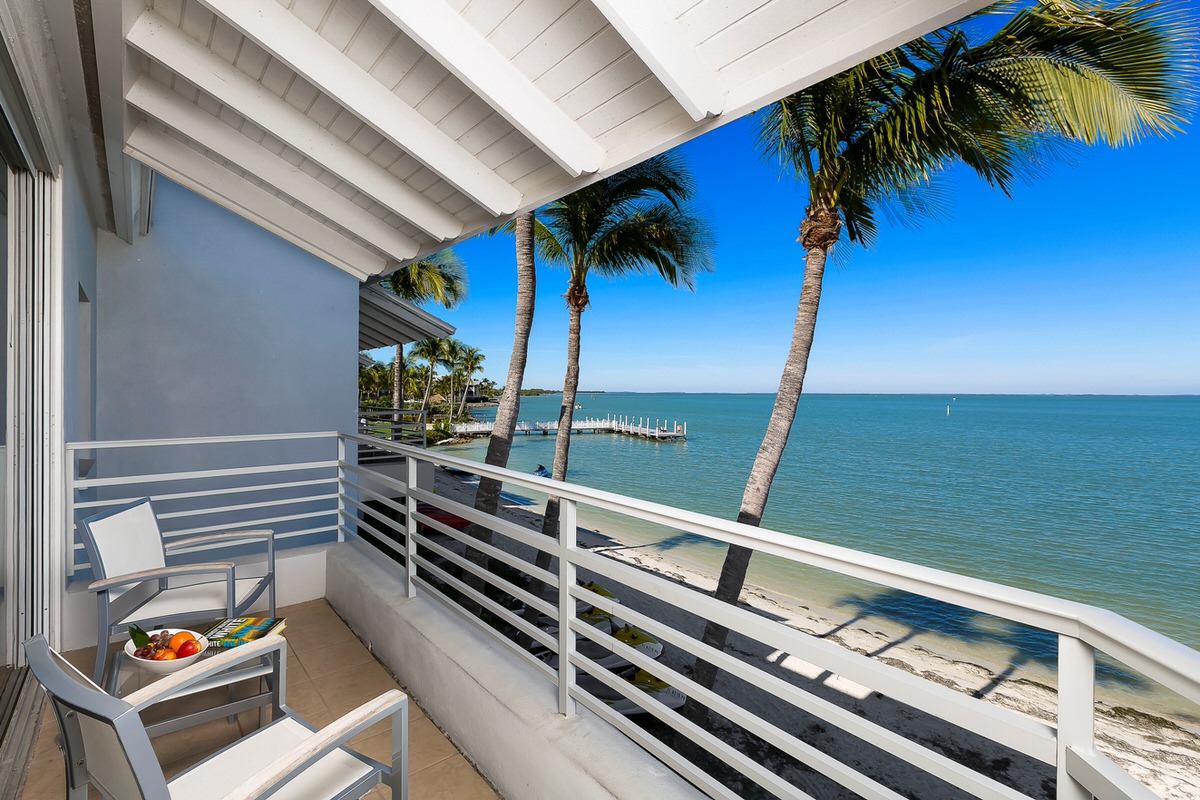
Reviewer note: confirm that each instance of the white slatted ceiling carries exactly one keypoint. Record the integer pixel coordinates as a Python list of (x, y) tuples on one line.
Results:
[(570, 52)]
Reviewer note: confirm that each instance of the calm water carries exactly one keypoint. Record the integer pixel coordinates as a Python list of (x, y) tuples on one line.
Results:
[(1089, 498)]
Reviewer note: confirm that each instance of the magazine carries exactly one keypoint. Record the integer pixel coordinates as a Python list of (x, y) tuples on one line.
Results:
[(232, 631)]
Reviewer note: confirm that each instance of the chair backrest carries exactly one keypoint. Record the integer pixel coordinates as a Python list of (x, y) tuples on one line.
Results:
[(99, 731), (123, 539)]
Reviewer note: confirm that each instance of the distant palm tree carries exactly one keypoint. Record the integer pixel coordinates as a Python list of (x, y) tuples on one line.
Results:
[(440, 278), (634, 221), (1055, 73), (451, 354), (470, 361), (429, 351)]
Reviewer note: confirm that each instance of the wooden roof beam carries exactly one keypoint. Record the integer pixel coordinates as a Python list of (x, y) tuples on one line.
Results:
[(174, 159), (164, 43), (466, 53), (276, 30), (660, 42), (159, 102)]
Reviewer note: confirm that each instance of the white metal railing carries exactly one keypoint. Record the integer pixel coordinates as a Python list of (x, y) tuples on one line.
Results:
[(421, 536), (287, 482), (403, 425), (309, 486)]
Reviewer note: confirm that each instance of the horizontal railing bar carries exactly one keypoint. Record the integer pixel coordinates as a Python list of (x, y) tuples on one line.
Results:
[(375, 476), (167, 477), (515, 620), (260, 522), (1102, 778), (431, 591), (1007, 727), (465, 539), (905, 749), (503, 527), (396, 547), (383, 536), (494, 580), (278, 537), (368, 495), (693, 774), (365, 509), (734, 758), (109, 444), (257, 487), (287, 501)]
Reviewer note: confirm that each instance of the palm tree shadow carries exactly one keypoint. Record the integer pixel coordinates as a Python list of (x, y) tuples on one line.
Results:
[(1028, 645)]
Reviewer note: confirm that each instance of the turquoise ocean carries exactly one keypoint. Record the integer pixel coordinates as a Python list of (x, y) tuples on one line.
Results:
[(1090, 498)]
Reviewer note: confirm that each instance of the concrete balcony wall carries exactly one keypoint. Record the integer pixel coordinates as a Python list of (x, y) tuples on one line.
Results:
[(491, 705)]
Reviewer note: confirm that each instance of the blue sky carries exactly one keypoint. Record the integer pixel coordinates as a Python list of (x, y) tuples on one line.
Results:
[(1086, 281)]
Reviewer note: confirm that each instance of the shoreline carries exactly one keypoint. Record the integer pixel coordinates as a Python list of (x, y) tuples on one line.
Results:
[(1143, 739)]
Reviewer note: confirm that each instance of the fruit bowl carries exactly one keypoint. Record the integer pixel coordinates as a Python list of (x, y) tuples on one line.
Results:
[(166, 667)]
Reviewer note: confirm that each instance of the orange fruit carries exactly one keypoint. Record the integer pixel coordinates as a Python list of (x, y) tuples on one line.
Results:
[(180, 638), (165, 655)]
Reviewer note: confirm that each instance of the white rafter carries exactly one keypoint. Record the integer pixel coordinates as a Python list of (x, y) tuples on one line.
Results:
[(169, 108), (659, 42), (219, 79), (475, 61), (156, 149), (276, 30)]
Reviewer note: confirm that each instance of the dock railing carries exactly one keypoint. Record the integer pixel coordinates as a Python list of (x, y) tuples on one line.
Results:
[(443, 561), (791, 739)]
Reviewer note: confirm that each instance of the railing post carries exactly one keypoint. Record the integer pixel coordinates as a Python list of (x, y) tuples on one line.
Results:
[(410, 526), (566, 605), (1076, 709), (343, 519)]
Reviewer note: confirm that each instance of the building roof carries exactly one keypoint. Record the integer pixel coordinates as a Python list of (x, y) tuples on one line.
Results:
[(370, 132), (385, 320)]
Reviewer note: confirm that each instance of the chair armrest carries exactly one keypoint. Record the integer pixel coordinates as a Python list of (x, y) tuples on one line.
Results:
[(162, 572), (205, 668), (225, 536), (335, 734)]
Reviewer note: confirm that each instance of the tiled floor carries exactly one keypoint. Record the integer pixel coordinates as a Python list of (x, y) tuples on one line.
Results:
[(329, 672)]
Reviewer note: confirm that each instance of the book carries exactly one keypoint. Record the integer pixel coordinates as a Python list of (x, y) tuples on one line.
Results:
[(232, 631)]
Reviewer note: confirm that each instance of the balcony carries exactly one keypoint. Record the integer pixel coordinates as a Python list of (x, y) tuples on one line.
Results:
[(456, 602)]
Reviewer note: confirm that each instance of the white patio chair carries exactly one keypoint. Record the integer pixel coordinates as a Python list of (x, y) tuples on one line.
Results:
[(105, 743), (134, 585)]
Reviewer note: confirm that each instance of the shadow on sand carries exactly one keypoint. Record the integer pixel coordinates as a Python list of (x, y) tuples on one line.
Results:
[(927, 615)]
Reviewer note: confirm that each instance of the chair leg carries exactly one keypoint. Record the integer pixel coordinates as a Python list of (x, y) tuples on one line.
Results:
[(103, 633), (397, 778)]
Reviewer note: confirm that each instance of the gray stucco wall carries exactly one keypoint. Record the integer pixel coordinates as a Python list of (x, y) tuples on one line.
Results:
[(212, 326)]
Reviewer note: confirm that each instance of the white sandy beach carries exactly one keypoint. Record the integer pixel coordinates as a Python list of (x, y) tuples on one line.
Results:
[(1162, 750)]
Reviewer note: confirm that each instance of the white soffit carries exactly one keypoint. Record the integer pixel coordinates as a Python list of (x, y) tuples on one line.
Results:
[(370, 132), (385, 320)]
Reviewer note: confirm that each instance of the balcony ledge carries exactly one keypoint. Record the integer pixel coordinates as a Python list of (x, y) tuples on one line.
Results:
[(489, 704)]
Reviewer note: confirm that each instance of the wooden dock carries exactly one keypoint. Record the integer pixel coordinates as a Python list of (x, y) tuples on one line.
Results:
[(642, 427)]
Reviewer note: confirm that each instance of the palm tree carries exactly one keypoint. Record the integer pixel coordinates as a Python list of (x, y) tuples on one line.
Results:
[(1055, 74), (634, 221), (439, 278), (451, 354), (487, 494), (470, 361), (429, 351)]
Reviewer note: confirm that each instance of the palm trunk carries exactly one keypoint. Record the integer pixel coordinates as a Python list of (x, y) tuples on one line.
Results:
[(462, 405), (766, 461), (428, 389), (397, 389), (487, 496), (562, 439)]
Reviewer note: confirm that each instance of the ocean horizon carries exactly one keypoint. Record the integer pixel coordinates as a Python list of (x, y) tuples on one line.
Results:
[(1086, 497)]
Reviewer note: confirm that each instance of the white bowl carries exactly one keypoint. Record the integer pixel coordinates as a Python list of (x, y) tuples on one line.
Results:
[(166, 667)]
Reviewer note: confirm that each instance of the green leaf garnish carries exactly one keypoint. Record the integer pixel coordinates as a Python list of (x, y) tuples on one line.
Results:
[(140, 637)]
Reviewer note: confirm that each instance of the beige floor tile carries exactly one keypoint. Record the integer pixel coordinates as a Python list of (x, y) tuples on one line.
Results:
[(324, 661), (451, 779), (302, 639), (305, 699), (347, 689), (427, 745)]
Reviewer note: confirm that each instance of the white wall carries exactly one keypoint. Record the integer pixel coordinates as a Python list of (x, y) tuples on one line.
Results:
[(212, 326)]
